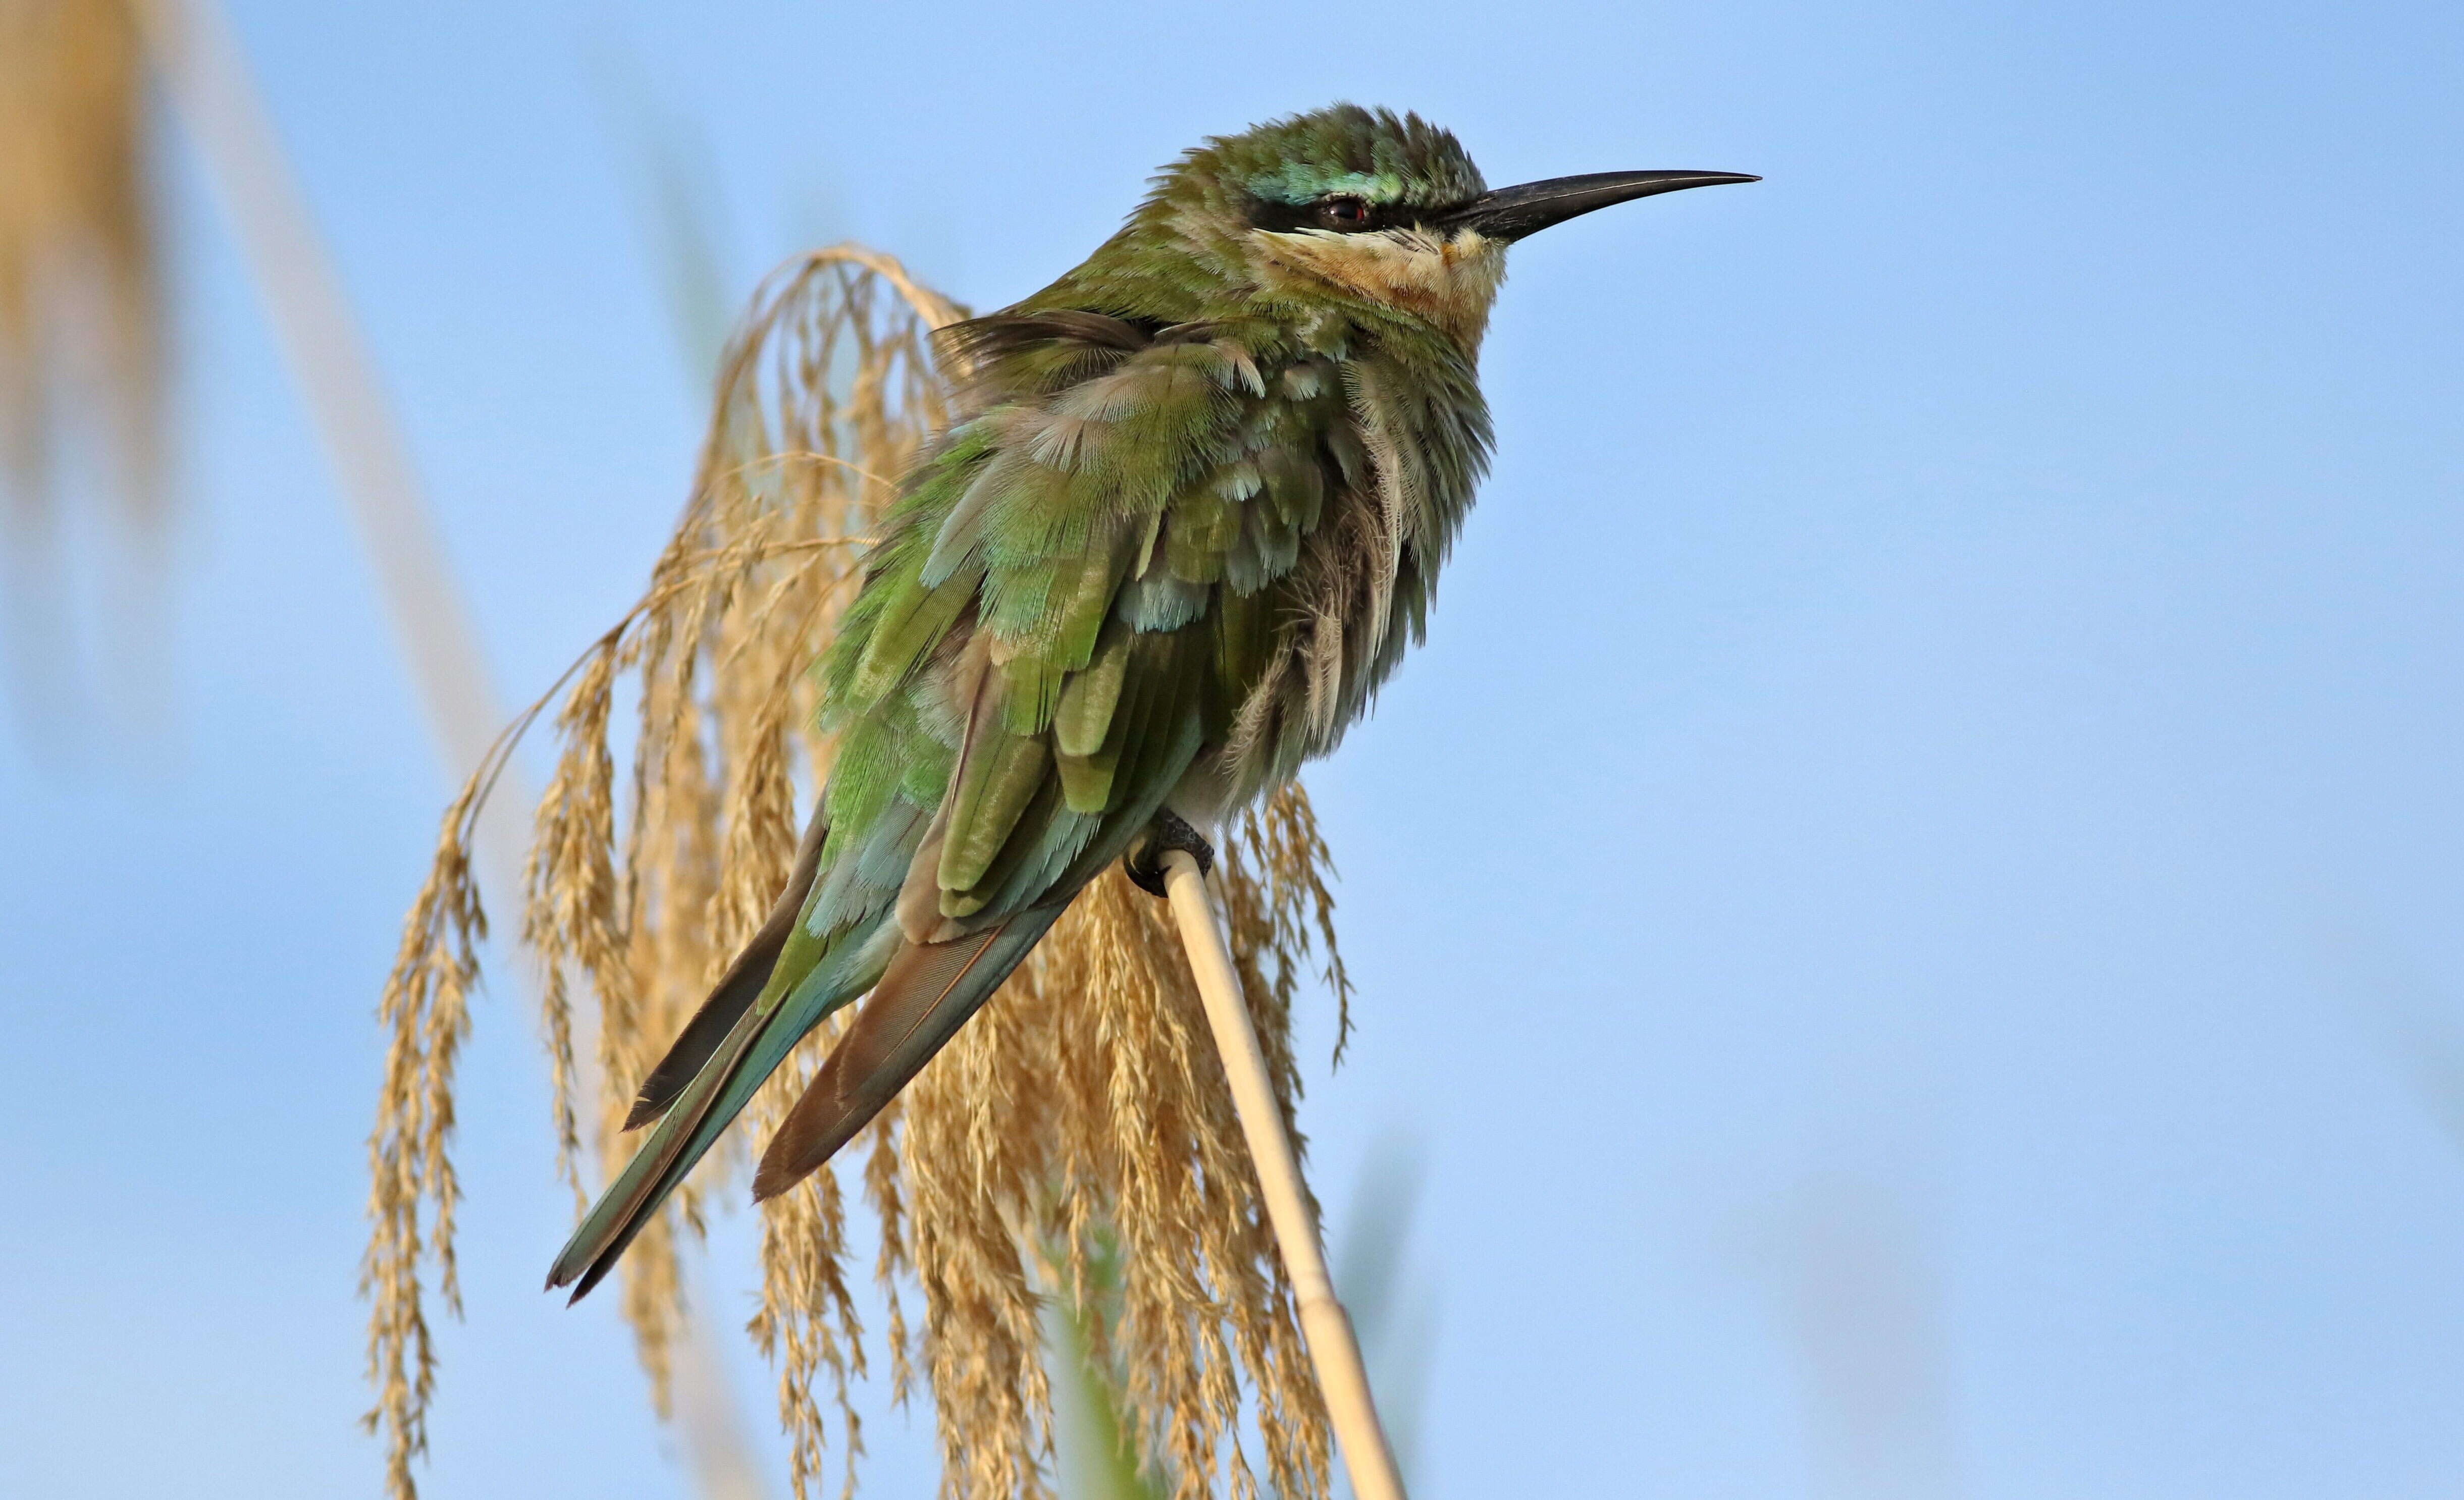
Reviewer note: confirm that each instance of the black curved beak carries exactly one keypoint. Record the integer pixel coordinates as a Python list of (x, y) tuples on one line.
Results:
[(1510, 214)]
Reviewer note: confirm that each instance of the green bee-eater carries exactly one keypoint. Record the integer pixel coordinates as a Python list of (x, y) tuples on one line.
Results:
[(1190, 507)]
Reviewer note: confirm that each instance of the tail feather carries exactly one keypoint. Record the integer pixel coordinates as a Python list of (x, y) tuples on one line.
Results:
[(735, 990), (751, 1049), (634, 1197), (928, 991)]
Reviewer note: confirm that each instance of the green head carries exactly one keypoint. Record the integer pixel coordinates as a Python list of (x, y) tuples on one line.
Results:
[(1340, 206), (1335, 171)]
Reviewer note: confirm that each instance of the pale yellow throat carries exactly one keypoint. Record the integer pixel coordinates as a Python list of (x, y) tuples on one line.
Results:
[(1451, 280)]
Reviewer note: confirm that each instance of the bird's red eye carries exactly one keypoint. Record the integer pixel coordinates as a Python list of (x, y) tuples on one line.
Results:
[(1346, 213)]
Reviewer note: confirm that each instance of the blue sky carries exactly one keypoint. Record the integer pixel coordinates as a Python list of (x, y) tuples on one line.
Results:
[(1908, 901)]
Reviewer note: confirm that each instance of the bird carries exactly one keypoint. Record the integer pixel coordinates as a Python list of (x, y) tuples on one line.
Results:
[(1186, 514)]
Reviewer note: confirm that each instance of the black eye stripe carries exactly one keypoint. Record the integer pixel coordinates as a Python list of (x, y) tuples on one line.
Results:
[(1344, 213)]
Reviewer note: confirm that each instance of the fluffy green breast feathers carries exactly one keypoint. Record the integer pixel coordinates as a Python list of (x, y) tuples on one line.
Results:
[(1140, 551)]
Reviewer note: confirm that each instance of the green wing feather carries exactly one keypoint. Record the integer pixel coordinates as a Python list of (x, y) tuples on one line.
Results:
[(1091, 556)]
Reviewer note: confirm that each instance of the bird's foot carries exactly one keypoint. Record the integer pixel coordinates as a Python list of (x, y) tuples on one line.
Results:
[(1169, 831)]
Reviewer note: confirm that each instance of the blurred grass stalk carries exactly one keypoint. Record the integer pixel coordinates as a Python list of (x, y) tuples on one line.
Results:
[(1392, 1312), (80, 341), (207, 79), (1095, 1456), (2404, 1010), (1866, 1307)]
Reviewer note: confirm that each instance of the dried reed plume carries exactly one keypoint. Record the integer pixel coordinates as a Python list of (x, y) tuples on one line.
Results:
[(1080, 1118), (79, 301)]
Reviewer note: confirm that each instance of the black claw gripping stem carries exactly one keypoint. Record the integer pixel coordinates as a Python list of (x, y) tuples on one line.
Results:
[(1144, 865)]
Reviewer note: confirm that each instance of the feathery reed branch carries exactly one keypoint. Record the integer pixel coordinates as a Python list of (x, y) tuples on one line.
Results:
[(1081, 1114)]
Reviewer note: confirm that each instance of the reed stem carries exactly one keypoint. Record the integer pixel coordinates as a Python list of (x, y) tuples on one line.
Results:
[(1334, 1349)]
